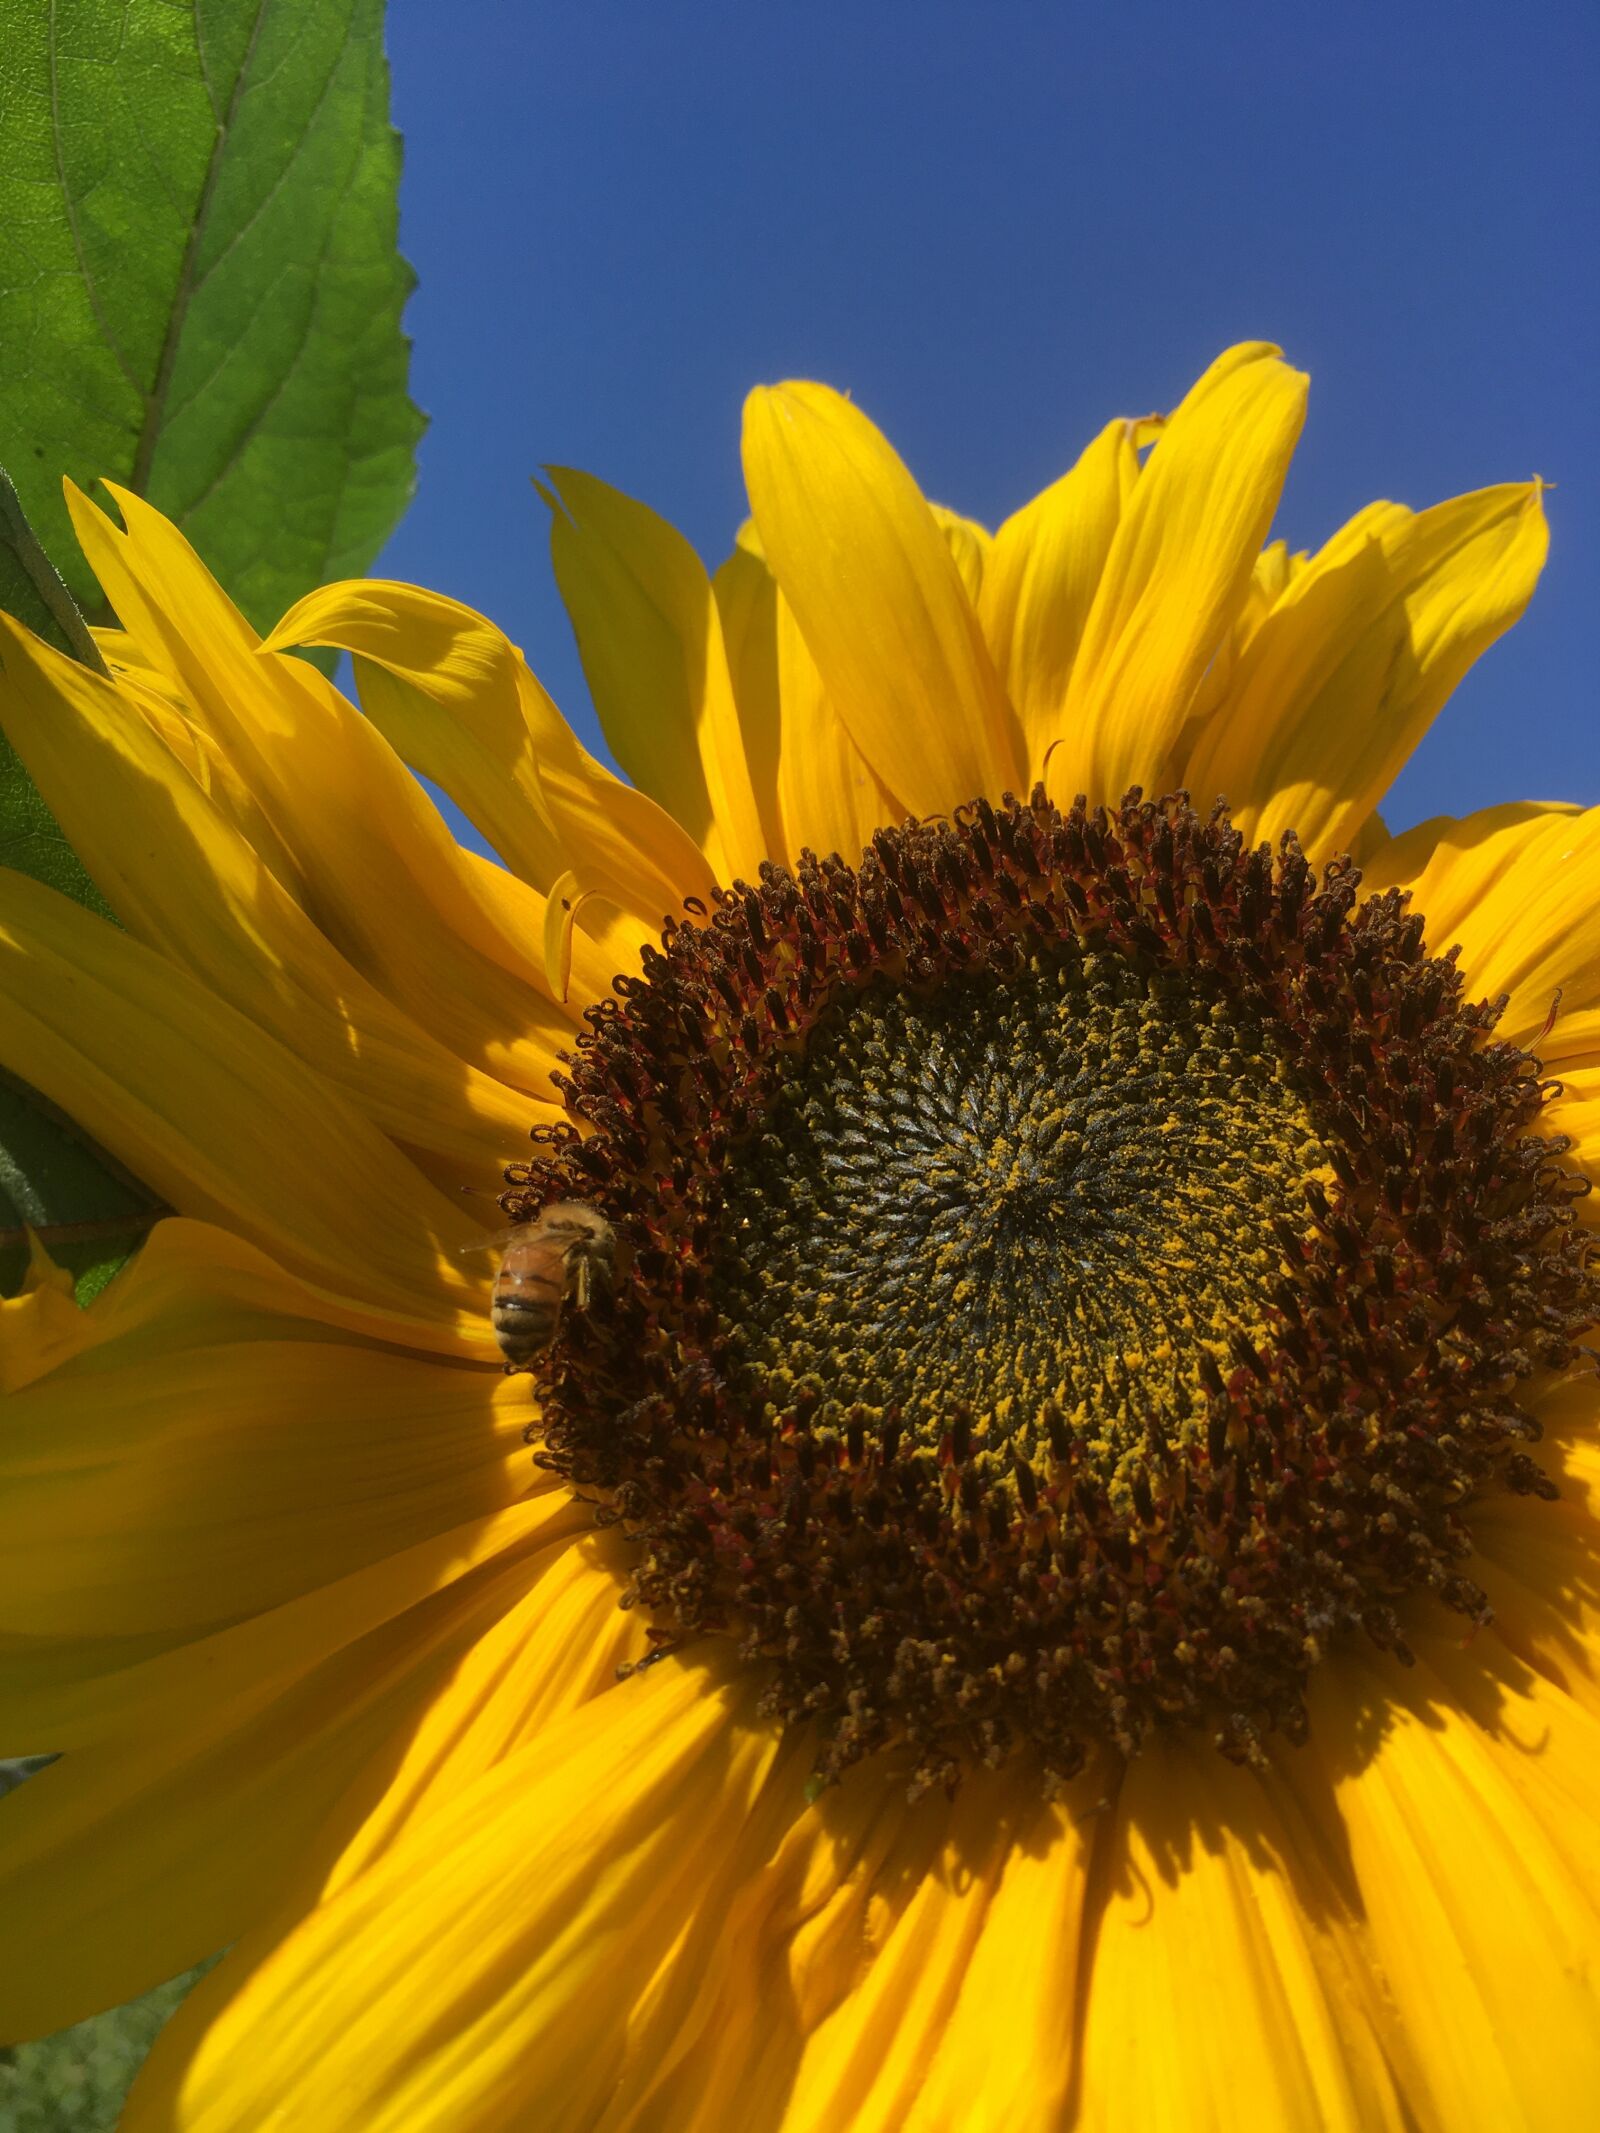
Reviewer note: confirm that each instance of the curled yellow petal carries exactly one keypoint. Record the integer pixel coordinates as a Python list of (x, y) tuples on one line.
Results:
[(215, 1115), (207, 901), (440, 684), (391, 888), (1350, 666), (561, 909)]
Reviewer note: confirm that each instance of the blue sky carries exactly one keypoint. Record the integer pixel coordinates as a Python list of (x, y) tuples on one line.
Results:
[(997, 226)]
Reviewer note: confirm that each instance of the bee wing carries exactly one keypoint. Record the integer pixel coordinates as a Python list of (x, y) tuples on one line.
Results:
[(491, 1243)]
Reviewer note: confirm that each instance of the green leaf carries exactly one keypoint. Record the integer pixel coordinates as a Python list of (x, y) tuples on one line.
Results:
[(31, 841), (200, 292), (52, 1178), (32, 589), (76, 2081), (56, 1181)]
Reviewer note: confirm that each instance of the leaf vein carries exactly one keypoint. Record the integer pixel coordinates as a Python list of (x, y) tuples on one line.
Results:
[(313, 310), (155, 407), (278, 183), (57, 150)]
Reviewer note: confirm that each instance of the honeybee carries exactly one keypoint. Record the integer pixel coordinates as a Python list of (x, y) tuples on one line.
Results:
[(561, 1254)]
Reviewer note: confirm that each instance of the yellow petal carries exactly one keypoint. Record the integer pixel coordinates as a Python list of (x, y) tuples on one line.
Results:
[(863, 2064), (178, 1491), (679, 2007), (1541, 1744), (1573, 1109), (128, 663), (382, 875), (138, 1695), (129, 1863), (1275, 570), (879, 599), (745, 595), (824, 795), (795, 1940), (182, 880), (862, 1979), (625, 844), (1347, 672), (1040, 583), (970, 546), (832, 799), (1474, 1851), (456, 699), (190, 1281), (195, 1304), (636, 865), (1179, 568), (456, 715), (1217, 1997), (1369, 839), (41, 1326), (500, 1941), (609, 942), (215, 1116), (199, 754), (1023, 1981), (651, 642), (1537, 1562), (1518, 889), (556, 1648)]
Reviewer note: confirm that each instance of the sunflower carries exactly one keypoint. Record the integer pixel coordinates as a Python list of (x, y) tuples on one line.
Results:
[(1081, 1276)]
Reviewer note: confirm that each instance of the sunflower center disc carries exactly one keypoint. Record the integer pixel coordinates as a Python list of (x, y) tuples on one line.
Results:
[(1070, 1268), (1019, 1191)]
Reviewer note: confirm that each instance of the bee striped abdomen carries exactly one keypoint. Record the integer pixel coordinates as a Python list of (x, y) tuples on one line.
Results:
[(547, 1262), (526, 1306)]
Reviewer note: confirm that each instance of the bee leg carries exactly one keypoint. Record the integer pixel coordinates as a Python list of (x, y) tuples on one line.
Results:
[(663, 1644)]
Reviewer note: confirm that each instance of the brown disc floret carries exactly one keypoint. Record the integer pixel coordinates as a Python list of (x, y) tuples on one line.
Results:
[(1071, 1268)]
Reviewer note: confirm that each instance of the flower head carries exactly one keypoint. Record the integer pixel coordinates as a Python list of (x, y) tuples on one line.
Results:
[(1057, 1303)]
